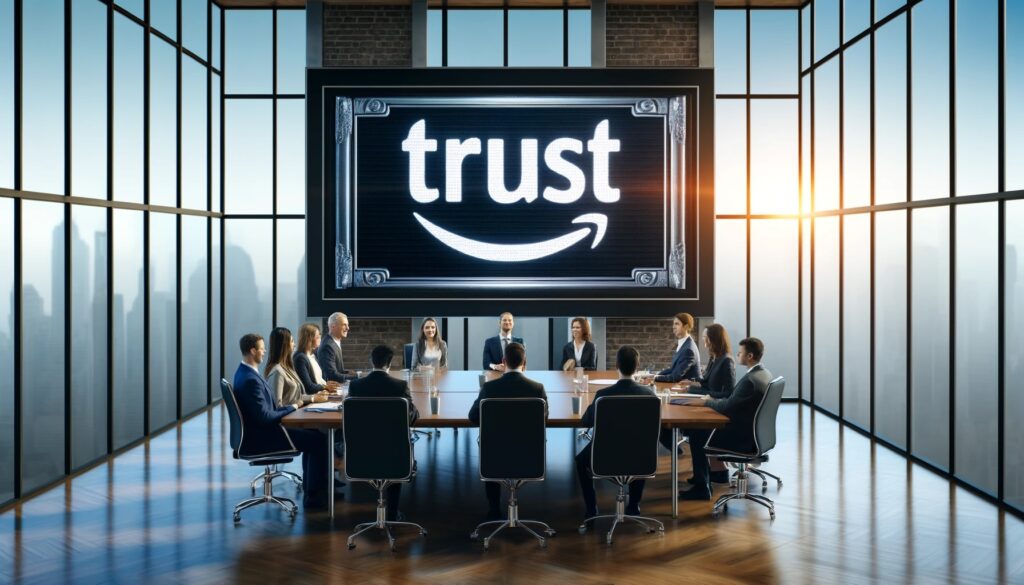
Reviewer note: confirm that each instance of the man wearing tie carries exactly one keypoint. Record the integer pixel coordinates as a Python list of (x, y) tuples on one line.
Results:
[(264, 433), (494, 347), (328, 355)]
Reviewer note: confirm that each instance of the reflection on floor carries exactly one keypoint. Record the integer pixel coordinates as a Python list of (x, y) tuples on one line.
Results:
[(849, 512)]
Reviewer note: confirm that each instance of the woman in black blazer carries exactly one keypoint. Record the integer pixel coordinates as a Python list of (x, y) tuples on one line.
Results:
[(580, 352), (306, 366), (719, 376)]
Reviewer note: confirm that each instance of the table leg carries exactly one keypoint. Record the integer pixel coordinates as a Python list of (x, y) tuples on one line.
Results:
[(675, 473), (330, 472)]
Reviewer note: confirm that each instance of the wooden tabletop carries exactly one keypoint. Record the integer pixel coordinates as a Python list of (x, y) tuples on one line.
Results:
[(456, 397)]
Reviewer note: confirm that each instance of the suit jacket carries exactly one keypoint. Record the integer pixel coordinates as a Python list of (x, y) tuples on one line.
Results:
[(418, 360), (328, 355), (378, 384), (588, 359), (510, 385), (493, 353), (305, 371), (719, 378), (263, 431), (625, 387), (740, 407), (286, 387), (685, 364)]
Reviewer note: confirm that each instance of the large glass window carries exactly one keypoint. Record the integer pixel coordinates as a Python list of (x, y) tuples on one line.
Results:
[(163, 16), (7, 444), (857, 125), (730, 52), (857, 319), (579, 38), (856, 17), (891, 112), (248, 283), (1013, 479), (89, 99), (535, 38), (193, 135), (826, 313), (291, 273), (1014, 79), (194, 317), (163, 123), (248, 53), (42, 103), (730, 156), (128, 318), (291, 51), (774, 292), (826, 27), (731, 276), (977, 97), (891, 326), (291, 159), (826, 136), (193, 26), (128, 115), (930, 99), (6, 95), (248, 156), (773, 51), (475, 38), (774, 140), (163, 320)]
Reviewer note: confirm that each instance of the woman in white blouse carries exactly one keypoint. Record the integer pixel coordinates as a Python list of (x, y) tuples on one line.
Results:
[(430, 349), (580, 352), (284, 382), (305, 363)]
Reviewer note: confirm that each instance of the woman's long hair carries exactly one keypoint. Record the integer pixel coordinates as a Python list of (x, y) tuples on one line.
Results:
[(718, 340), (421, 343), (280, 350)]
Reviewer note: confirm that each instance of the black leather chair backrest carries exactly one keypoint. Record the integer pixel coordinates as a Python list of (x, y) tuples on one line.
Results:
[(408, 347), (626, 430), (767, 412), (234, 417), (377, 444), (512, 438)]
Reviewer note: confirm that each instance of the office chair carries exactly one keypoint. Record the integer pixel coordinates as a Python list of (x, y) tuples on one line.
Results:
[(625, 448), (764, 441), (407, 352), (378, 451), (269, 461), (408, 349), (512, 452)]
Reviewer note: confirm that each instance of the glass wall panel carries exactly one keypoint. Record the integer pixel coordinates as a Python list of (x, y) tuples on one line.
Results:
[(136, 7), (1013, 479), (163, 16), (193, 134), (42, 103), (930, 99), (434, 38), (128, 319), (773, 51), (88, 334), (857, 125), (193, 26), (43, 325), (215, 309), (805, 310), (731, 276), (977, 97), (128, 115), (163, 320), (215, 133), (805, 36), (976, 381), (730, 156), (291, 273), (194, 316), (826, 27), (248, 282), (929, 294), (730, 52), (291, 156), (248, 52), (774, 294), (884, 8), (774, 152), (891, 326), (826, 313), (807, 96), (475, 38), (89, 99), (856, 17), (535, 38), (215, 41), (291, 51), (6, 347), (1014, 79), (826, 136), (6, 103), (579, 38), (857, 319), (891, 112), (248, 156), (163, 123)]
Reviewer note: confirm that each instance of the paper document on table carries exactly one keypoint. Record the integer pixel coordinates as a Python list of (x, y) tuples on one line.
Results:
[(609, 381), (684, 394), (325, 407)]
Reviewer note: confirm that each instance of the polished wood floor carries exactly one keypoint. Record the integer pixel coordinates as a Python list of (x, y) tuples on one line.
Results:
[(849, 512)]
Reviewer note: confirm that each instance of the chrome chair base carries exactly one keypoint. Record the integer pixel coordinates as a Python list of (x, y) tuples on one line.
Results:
[(764, 475), (416, 434), (742, 493), (619, 517), (513, 521), (274, 474), (382, 522), (268, 497), (584, 434)]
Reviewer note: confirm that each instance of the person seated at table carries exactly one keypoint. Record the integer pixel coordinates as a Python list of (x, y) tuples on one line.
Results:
[(379, 383), (329, 353), (284, 382), (430, 349), (740, 407), (304, 360), (580, 352), (263, 419), (686, 361), (626, 360), (495, 347), (513, 384)]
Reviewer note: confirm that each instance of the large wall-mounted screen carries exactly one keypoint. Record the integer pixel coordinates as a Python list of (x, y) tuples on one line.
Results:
[(474, 199)]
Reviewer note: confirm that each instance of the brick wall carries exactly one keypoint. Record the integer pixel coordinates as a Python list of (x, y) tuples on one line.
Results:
[(651, 36), (365, 334), (651, 337), (367, 36)]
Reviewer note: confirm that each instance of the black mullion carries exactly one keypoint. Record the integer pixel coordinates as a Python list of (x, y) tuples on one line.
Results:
[(110, 228), (444, 33), (842, 221), (262, 216), (760, 96), (862, 35), (800, 207), (565, 33), (223, 224), (952, 237), (465, 341), (209, 203), (504, 33), (265, 96), (131, 16), (747, 218), (1002, 252), (68, 443), (18, 86), (871, 223), (814, 222), (909, 250), (273, 175), (146, 219)]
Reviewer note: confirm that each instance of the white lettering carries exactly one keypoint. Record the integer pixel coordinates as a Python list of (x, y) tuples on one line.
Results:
[(527, 189), (455, 151), (577, 180), (601, 145), (417, 145)]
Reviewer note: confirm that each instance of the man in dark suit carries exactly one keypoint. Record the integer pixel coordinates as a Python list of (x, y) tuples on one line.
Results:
[(263, 424), (513, 384), (626, 361), (379, 383), (740, 407), (328, 355), (494, 347)]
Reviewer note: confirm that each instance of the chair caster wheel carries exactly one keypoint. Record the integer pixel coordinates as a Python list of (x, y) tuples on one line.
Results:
[(582, 529), (716, 514), (351, 546), (550, 531), (423, 532), (487, 545), (543, 543), (474, 535), (608, 539), (237, 518)]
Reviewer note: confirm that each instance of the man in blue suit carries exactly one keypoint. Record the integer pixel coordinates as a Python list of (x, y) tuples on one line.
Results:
[(494, 347), (263, 424)]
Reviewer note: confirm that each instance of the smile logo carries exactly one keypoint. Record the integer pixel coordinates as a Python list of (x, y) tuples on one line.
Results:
[(600, 146)]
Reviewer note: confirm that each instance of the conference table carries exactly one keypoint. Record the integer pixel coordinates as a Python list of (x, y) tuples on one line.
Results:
[(456, 391)]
